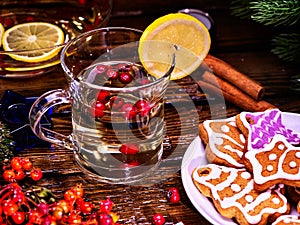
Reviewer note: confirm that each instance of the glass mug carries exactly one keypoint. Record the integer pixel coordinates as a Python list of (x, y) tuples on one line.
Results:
[(117, 107)]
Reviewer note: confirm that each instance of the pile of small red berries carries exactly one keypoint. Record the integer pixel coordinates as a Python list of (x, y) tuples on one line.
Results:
[(17, 208), (18, 167), (119, 76)]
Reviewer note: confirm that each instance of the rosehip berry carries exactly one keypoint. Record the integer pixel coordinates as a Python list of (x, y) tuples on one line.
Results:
[(173, 195), (78, 191), (18, 196), (69, 196), (19, 174), (16, 163), (36, 174), (142, 107), (103, 96), (129, 149), (101, 68), (125, 77), (99, 109), (106, 205), (86, 207), (18, 217), (74, 218), (26, 163), (9, 175), (9, 207), (112, 74), (35, 217), (158, 219)]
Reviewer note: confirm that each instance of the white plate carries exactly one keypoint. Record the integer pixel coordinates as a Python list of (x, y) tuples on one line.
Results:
[(195, 156)]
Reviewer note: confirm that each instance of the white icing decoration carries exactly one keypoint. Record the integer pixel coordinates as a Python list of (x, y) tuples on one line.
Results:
[(293, 164), (276, 201), (242, 138), (246, 175), (236, 187), (249, 198), (218, 141), (298, 155), (281, 147), (270, 168), (225, 128), (232, 201), (272, 156), (288, 219)]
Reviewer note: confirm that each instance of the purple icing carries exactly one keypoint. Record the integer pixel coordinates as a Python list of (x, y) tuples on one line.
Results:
[(266, 126)]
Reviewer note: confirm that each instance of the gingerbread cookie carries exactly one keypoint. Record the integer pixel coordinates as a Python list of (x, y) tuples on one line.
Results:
[(224, 142), (259, 128), (233, 194), (287, 219), (278, 162)]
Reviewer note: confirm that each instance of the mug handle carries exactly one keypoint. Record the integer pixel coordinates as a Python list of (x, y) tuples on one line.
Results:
[(37, 111)]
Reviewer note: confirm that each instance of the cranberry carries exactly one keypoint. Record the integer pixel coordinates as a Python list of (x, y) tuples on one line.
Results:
[(116, 102), (142, 107), (103, 96), (106, 205), (158, 219), (105, 219), (122, 66), (101, 68), (99, 109), (173, 195), (129, 110), (43, 208), (30, 18), (125, 77), (112, 74), (129, 149)]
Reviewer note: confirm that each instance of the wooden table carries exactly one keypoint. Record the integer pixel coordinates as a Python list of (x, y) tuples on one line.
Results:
[(242, 43)]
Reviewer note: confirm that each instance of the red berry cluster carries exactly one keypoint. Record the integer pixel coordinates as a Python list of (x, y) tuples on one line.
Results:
[(17, 168), (17, 208), (119, 76)]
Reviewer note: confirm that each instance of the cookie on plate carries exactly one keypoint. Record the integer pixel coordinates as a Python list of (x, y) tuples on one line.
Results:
[(287, 219), (224, 142), (278, 162), (259, 128), (233, 194)]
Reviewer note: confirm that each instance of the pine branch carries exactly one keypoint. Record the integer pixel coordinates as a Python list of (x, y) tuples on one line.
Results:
[(279, 12), (241, 8), (6, 144), (287, 47)]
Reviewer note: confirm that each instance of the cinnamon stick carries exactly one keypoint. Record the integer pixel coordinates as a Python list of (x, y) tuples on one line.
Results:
[(232, 94), (238, 79)]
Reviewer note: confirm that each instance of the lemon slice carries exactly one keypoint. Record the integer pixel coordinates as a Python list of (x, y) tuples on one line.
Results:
[(1, 32), (190, 42), (38, 40)]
